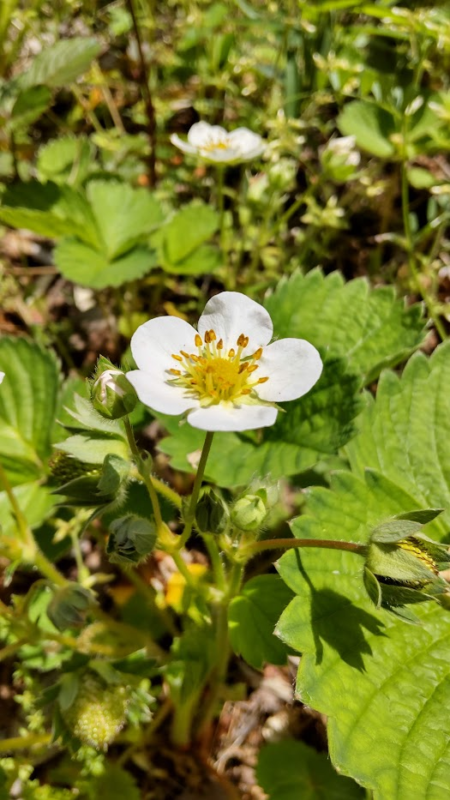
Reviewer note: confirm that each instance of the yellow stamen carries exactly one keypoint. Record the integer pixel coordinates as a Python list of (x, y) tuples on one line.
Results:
[(213, 376)]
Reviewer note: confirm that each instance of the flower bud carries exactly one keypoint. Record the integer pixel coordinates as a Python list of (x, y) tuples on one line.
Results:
[(131, 539), (211, 514), (98, 712), (112, 394), (69, 605), (402, 564), (249, 512)]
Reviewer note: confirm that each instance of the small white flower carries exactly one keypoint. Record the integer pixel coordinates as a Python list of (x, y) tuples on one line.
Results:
[(225, 376), (2, 375), (216, 146), (344, 146)]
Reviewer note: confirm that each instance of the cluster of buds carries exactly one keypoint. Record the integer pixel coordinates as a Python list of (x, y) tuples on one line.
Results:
[(340, 159), (403, 564)]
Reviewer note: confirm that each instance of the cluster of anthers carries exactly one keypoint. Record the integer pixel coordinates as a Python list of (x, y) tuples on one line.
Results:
[(212, 374)]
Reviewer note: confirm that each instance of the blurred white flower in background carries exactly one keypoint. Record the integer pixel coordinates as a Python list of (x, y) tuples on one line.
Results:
[(225, 376), (215, 145), (2, 375)]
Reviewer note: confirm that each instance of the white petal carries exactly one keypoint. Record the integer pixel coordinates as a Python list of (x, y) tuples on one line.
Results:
[(201, 134), (293, 366), (223, 417), (249, 144), (154, 391), (231, 313), (182, 145), (156, 340), (2, 375)]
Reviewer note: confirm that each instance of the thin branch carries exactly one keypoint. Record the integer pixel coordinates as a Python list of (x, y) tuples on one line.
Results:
[(146, 96)]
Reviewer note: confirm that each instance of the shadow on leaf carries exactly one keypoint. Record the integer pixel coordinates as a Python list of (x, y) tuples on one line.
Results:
[(338, 622)]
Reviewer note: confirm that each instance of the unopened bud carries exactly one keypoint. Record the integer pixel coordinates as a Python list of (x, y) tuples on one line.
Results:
[(402, 565), (69, 606), (249, 512), (211, 514), (131, 539), (112, 394)]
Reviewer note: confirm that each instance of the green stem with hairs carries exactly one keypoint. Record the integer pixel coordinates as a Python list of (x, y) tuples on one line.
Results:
[(143, 471), (278, 544), (190, 515)]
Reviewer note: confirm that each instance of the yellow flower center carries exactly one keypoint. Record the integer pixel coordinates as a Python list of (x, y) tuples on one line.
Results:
[(211, 146), (212, 375)]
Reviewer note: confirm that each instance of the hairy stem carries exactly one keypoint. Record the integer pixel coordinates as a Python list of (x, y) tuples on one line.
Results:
[(190, 516), (328, 544)]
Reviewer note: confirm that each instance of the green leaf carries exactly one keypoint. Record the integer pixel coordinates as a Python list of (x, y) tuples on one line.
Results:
[(203, 261), (317, 424), (66, 159), (114, 784), (28, 401), (371, 125), (61, 63), (252, 617), (405, 434), (384, 687), (92, 448), (29, 106), (186, 231), (35, 502), (291, 770), (124, 216), (50, 210), (82, 264), (372, 328)]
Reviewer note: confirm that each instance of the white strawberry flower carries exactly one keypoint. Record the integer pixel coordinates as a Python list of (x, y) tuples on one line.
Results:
[(215, 145), (225, 376)]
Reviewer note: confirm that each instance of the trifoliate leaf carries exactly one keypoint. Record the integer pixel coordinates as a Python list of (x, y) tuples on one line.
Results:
[(84, 265)]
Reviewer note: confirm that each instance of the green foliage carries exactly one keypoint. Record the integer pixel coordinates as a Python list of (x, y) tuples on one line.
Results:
[(372, 328), (108, 227), (291, 770), (50, 210), (181, 241), (94, 438), (371, 125), (65, 160), (252, 617), (28, 401), (317, 424), (114, 784), (394, 678), (29, 106), (60, 64)]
